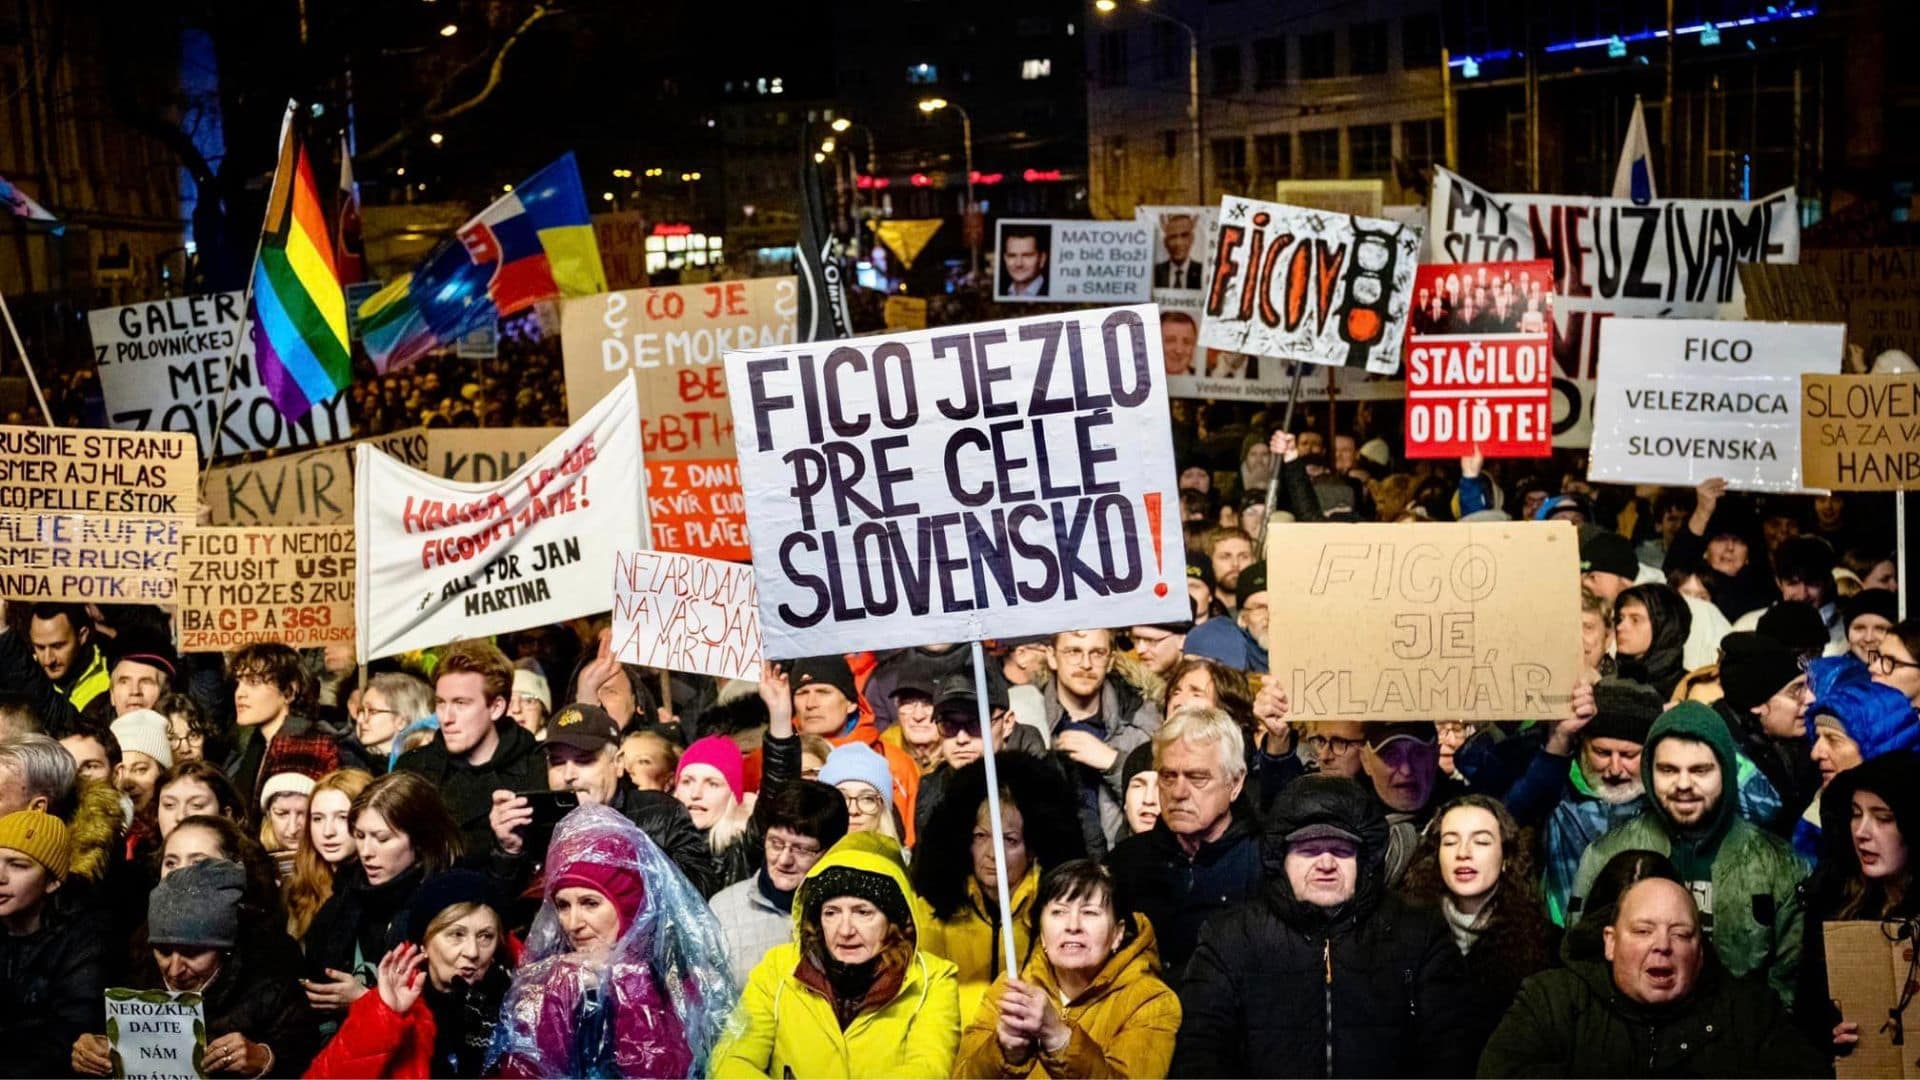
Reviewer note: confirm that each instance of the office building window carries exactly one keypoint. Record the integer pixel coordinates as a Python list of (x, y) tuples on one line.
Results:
[(1169, 143), (1230, 163), (1320, 154), (1370, 146), (1226, 69), (1270, 62), (1424, 142), (1113, 58), (1169, 51), (1273, 156), (922, 74), (1036, 69), (1317, 55), (1420, 41), (1367, 48)]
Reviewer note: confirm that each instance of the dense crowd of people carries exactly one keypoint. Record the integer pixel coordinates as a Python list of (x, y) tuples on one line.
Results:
[(521, 857)]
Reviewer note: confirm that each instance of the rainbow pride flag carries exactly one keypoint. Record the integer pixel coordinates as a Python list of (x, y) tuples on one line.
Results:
[(535, 243), (298, 311)]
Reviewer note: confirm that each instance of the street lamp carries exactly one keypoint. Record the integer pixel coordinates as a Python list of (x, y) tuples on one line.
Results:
[(934, 105), (1108, 7), (841, 124)]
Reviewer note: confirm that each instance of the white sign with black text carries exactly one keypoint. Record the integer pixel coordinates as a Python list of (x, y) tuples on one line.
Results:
[(1072, 262)]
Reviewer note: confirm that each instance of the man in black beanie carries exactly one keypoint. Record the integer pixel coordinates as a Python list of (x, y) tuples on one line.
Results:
[(1586, 780), (1765, 706)]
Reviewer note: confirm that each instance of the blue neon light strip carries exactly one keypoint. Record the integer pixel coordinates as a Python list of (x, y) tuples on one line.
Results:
[(1772, 16)]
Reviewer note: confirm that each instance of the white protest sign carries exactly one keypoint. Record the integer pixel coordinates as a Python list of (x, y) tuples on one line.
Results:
[(170, 365), (990, 480), (1672, 258), (1068, 261), (1300, 284), (1681, 400), (440, 560), (156, 1035), (686, 613)]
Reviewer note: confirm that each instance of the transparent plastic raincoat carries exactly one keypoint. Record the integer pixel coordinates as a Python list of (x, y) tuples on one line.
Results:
[(653, 1006)]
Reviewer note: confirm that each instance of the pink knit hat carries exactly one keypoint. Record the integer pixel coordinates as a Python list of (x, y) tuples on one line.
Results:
[(720, 753)]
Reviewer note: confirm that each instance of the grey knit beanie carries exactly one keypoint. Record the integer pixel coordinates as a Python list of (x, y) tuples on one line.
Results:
[(198, 905)]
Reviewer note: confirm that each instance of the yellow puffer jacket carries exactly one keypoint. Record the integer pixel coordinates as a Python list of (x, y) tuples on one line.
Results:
[(1123, 1025), (783, 1028), (972, 940)]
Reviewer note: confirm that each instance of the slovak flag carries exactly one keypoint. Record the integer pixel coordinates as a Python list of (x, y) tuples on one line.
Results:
[(1633, 179)]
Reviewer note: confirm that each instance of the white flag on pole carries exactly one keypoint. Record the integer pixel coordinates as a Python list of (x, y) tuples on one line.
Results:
[(1633, 179)]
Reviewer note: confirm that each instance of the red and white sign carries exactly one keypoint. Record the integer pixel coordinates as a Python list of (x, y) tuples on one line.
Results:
[(1480, 361)]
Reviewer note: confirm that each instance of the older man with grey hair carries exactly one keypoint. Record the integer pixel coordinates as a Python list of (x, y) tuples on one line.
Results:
[(36, 773), (1203, 855)]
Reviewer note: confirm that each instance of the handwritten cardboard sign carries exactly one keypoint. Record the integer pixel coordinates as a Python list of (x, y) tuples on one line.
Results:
[(1426, 622), (672, 340), (1865, 975), (310, 488), (1790, 292), (156, 1035), (483, 455), (88, 515), (621, 237), (686, 613), (1880, 290), (239, 586), (989, 480), (1860, 432), (186, 364)]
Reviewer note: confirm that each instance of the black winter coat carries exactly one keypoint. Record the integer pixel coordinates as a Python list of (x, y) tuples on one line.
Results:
[(258, 998), (1572, 1022), (1179, 894), (1280, 987), (51, 983), (517, 765), (359, 922), (666, 823)]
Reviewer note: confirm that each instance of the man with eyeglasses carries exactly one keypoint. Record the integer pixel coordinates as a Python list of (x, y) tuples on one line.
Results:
[(1203, 854), (799, 821), (1336, 746), (1096, 720), (1766, 695)]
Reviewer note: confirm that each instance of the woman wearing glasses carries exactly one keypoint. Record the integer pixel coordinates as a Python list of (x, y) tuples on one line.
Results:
[(1865, 872), (392, 701), (1898, 664), (860, 774)]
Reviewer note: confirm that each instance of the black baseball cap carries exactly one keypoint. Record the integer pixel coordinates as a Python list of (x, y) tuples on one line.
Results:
[(584, 727), (958, 690)]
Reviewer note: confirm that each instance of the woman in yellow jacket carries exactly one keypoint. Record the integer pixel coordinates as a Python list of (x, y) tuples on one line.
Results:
[(1088, 1003), (853, 995), (954, 871)]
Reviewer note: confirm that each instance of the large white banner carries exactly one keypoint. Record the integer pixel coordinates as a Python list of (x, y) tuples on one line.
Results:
[(170, 365), (440, 560), (990, 480), (1681, 400), (1299, 284), (1669, 259)]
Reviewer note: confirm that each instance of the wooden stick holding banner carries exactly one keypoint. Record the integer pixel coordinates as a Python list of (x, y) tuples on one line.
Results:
[(1900, 545), (993, 812), (1273, 482), (46, 414)]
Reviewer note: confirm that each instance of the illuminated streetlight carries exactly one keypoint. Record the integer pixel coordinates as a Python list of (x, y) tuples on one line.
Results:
[(401, 171), (436, 138), (449, 30), (932, 104), (1108, 7), (1104, 7), (826, 146), (506, 187), (607, 196), (842, 124), (818, 157)]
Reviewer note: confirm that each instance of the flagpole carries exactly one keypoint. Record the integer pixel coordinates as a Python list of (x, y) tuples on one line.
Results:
[(993, 813), (1273, 482), (33, 380)]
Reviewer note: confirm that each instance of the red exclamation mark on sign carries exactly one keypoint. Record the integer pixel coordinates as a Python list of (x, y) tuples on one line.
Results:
[(1152, 500), (583, 491)]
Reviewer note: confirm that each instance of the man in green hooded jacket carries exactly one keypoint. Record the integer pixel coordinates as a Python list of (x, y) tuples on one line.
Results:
[(1744, 879)]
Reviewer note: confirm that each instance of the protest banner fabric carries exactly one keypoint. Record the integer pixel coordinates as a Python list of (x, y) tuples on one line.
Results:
[(1681, 400), (1300, 284), (156, 1034), (311, 488), (1880, 290), (1860, 432), (1867, 975), (996, 479), (239, 586), (1672, 258), (89, 515), (673, 339), (172, 365), (1363, 198), (483, 455), (1480, 361), (686, 613), (439, 560), (1067, 261), (1445, 621)]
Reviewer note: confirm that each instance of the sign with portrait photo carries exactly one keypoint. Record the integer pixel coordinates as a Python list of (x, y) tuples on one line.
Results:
[(1180, 235), (1067, 261)]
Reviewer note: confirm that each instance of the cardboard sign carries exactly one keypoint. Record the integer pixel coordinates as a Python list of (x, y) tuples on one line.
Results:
[(88, 515), (171, 365), (685, 613), (905, 312), (1672, 258), (1865, 976), (313, 488), (1860, 432), (1426, 622), (989, 480), (483, 455), (156, 1035), (439, 560), (1068, 262), (1880, 290), (1790, 293), (239, 586), (1180, 238), (1363, 198), (1300, 284), (673, 339), (622, 239), (1480, 361), (1680, 400)]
